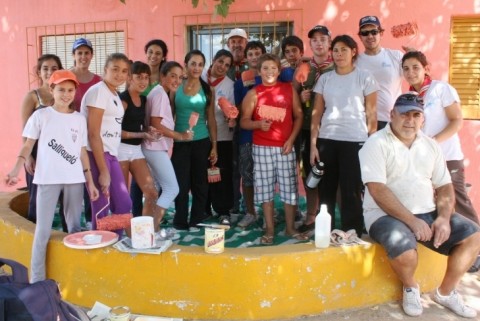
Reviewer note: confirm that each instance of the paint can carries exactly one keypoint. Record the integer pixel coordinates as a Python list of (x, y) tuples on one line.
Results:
[(119, 313), (143, 236), (214, 240)]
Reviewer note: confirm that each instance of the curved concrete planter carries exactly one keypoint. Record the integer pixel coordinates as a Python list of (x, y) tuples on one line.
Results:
[(243, 284)]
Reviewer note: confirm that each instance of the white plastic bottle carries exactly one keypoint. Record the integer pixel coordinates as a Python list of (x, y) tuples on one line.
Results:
[(323, 227)]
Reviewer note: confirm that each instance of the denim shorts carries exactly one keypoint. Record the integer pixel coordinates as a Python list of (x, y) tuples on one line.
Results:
[(245, 164), (396, 237)]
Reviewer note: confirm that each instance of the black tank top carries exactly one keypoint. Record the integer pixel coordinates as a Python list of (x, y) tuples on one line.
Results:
[(134, 117)]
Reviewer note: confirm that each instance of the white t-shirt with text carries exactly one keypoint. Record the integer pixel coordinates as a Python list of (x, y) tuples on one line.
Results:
[(100, 96), (61, 137)]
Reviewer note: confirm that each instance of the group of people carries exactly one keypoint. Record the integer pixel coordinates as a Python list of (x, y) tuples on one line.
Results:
[(382, 150)]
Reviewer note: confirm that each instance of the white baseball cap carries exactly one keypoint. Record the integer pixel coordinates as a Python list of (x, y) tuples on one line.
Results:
[(237, 32)]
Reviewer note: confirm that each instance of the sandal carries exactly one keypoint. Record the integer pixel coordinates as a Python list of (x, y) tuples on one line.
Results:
[(299, 236), (266, 240), (306, 227)]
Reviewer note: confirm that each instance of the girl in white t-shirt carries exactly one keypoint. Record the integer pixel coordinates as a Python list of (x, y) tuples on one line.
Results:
[(33, 100), (443, 120), (103, 109), (62, 164)]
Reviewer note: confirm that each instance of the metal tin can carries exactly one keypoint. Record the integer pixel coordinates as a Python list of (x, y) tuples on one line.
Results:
[(214, 240)]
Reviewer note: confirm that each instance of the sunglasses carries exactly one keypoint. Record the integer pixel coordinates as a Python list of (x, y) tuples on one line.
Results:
[(372, 32)]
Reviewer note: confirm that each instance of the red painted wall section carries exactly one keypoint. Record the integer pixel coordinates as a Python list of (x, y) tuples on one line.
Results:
[(149, 19)]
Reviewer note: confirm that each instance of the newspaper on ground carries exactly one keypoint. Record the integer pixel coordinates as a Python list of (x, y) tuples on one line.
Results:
[(125, 245), (100, 312)]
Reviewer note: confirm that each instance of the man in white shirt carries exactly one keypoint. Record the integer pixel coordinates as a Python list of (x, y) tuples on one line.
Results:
[(410, 199), (385, 64)]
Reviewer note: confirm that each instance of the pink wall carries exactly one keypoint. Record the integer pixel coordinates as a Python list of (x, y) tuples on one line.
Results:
[(154, 19)]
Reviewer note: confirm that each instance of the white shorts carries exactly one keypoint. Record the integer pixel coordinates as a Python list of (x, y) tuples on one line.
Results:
[(129, 153)]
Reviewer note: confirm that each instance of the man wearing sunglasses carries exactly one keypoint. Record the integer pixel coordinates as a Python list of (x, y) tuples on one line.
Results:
[(385, 64), (409, 199)]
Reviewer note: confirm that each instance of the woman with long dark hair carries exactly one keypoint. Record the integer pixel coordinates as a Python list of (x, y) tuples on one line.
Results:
[(192, 159)]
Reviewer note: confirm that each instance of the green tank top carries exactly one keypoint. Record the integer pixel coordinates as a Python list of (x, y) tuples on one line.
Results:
[(184, 106)]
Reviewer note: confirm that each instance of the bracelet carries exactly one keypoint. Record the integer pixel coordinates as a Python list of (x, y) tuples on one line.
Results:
[(86, 170), (20, 156)]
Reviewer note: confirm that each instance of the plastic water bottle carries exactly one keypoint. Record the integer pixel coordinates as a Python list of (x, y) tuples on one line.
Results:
[(315, 175), (322, 228)]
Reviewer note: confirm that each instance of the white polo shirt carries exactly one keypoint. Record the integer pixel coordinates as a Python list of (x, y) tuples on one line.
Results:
[(411, 174)]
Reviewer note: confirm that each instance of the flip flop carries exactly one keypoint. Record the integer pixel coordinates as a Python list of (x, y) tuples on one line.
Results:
[(299, 236), (266, 240)]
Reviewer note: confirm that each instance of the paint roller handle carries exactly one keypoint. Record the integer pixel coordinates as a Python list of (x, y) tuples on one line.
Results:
[(221, 226)]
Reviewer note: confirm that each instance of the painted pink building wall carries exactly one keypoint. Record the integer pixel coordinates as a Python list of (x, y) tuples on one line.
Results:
[(149, 19)]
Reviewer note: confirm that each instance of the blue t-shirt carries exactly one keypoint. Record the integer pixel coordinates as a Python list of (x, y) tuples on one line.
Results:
[(240, 91)]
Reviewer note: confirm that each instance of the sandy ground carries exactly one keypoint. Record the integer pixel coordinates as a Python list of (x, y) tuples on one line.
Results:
[(469, 288)]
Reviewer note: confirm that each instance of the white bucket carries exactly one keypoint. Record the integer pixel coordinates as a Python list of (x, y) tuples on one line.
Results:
[(143, 236), (214, 240)]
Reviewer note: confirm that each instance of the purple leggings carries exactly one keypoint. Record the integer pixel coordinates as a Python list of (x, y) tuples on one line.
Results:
[(120, 202)]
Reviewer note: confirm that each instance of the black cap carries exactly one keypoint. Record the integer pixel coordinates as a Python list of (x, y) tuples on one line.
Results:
[(322, 29), (369, 20), (407, 102)]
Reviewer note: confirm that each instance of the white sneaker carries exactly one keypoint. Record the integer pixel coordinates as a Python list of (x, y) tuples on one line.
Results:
[(247, 220), (88, 226), (411, 302), (455, 303)]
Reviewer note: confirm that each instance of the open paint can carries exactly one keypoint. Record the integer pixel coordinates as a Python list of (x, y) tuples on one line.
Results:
[(214, 240)]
